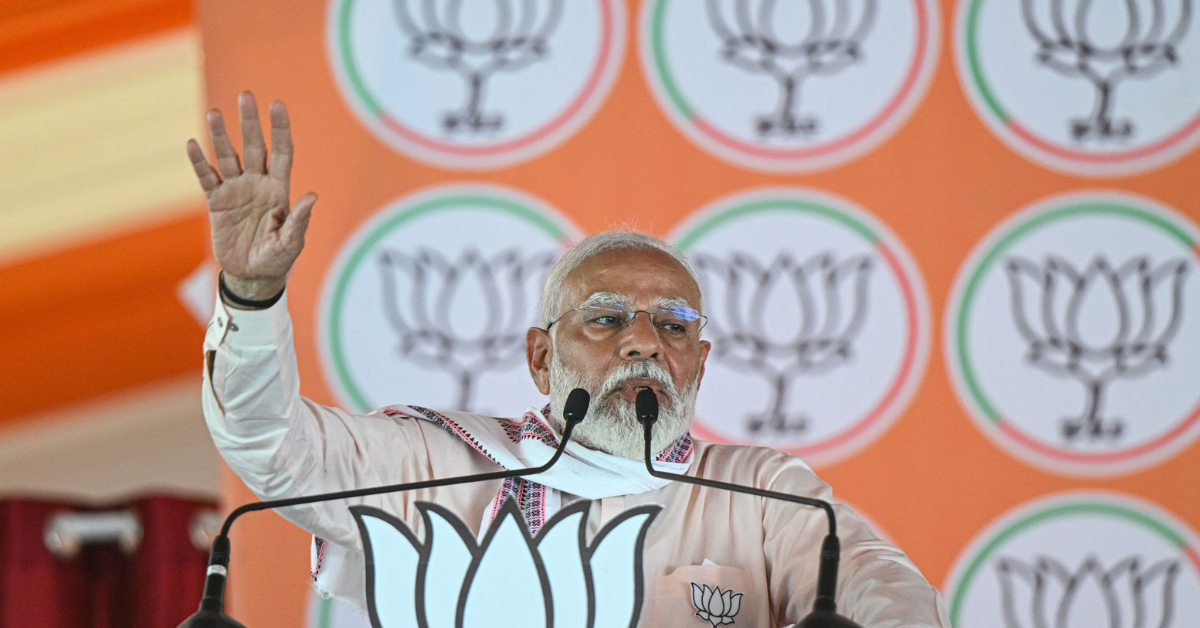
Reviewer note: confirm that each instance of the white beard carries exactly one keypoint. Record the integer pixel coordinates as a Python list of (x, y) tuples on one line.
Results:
[(611, 424)]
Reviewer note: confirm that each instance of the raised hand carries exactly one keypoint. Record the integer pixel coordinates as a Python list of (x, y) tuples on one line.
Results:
[(256, 234)]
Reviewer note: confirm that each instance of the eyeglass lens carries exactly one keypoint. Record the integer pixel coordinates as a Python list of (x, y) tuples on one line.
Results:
[(670, 321)]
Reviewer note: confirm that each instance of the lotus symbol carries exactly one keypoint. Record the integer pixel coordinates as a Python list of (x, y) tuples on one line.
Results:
[(511, 578), (1095, 325), (715, 606), (827, 39), (824, 302), (442, 39), (1048, 594), (1105, 43), (463, 316)]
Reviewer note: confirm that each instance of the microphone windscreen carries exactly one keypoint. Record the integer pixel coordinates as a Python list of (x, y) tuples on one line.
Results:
[(647, 405), (576, 406)]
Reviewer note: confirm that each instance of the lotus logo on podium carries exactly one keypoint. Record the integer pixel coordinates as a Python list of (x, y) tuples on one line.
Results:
[(448, 579)]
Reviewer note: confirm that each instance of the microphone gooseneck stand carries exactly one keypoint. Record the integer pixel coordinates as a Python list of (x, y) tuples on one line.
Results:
[(212, 604), (824, 614)]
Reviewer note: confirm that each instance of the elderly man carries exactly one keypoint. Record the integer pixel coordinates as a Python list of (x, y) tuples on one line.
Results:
[(594, 336)]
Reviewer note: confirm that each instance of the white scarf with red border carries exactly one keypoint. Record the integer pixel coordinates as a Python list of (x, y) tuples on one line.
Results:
[(530, 442)]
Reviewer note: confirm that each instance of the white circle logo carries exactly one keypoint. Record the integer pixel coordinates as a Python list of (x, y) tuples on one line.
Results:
[(818, 319), (431, 298), (1079, 560), (1070, 337), (789, 87), (1091, 88), (500, 83)]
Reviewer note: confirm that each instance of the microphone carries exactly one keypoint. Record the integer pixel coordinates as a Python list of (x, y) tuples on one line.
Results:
[(212, 605), (824, 614)]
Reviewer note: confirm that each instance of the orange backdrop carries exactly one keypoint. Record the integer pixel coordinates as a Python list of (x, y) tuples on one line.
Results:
[(940, 182)]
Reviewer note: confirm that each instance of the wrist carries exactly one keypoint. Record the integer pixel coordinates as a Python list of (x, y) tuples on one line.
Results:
[(251, 294)]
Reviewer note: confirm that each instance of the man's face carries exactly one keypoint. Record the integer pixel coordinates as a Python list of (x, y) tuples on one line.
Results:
[(612, 367)]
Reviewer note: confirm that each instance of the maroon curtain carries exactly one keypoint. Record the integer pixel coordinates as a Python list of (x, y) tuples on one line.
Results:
[(156, 585)]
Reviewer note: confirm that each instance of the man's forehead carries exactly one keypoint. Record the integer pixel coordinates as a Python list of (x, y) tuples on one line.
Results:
[(640, 274)]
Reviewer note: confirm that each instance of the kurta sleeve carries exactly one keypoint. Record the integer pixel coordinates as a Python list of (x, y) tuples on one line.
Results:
[(283, 445), (878, 586)]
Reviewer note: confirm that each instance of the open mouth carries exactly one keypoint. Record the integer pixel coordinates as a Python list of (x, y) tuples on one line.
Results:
[(630, 388)]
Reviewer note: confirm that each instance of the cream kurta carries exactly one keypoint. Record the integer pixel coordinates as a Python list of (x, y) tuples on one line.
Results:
[(283, 445)]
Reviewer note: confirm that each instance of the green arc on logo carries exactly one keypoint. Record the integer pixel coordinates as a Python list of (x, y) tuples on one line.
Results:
[(660, 62), (977, 68), (912, 82), (1172, 537), (1025, 135), (1006, 241), (790, 204), (356, 77), (378, 232), (350, 65), (910, 358)]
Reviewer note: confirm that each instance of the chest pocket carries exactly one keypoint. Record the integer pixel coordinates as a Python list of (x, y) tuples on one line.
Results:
[(706, 596)]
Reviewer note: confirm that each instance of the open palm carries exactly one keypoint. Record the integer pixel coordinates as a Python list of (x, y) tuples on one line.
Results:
[(256, 233)]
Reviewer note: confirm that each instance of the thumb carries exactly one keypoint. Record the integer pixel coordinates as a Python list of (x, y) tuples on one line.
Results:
[(292, 231)]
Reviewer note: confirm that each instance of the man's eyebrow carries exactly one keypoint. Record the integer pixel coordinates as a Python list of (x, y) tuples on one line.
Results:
[(607, 298), (617, 298), (669, 302)]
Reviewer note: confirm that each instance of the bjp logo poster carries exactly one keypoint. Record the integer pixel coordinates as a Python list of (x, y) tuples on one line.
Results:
[(816, 313), (486, 87), (433, 295), (818, 83), (1075, 560), (1091, 88), (1070, 336)]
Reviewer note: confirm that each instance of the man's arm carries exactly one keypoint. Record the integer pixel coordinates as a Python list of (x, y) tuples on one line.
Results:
[(279, 443), (878, 586), (283, 445)]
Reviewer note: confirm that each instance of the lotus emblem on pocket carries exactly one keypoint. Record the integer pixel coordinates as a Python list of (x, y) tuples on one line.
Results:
[(715, 606)]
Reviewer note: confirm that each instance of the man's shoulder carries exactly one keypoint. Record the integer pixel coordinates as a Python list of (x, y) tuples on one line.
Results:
[(455, 438), (745, 454), (442, 418), (475, 430), (754, 465)]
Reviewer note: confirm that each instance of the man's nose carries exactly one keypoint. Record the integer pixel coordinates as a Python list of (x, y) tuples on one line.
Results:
[(640, 338)]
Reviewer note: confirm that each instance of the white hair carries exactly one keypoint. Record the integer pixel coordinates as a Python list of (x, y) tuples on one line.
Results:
[(552, 287)]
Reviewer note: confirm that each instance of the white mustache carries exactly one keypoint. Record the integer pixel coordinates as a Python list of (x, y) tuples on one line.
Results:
[(631, 370)]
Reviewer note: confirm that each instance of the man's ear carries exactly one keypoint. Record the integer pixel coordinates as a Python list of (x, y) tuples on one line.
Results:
[(705, 346), (538, 354)]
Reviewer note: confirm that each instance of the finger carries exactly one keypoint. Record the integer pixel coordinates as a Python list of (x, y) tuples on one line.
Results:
[(254, 149), (281, 143), (209, 179), (227, 159), (292, 231)]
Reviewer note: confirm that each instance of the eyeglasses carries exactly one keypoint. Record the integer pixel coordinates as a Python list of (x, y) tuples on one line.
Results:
[(601, 321)]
